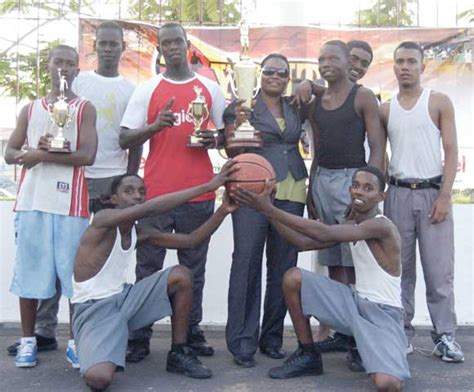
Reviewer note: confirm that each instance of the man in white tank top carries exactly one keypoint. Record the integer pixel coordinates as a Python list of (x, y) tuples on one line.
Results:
[(51, 206), (370, 311), (419, 123), (106, 307)]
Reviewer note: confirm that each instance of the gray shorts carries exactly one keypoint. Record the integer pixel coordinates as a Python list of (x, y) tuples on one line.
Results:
[(330, 192), (101, 326), (377, 328)]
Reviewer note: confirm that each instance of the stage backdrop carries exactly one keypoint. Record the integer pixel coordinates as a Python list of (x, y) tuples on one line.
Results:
[(213, 50)]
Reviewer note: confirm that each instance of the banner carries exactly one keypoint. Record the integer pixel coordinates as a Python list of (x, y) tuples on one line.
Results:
[(213, 50)]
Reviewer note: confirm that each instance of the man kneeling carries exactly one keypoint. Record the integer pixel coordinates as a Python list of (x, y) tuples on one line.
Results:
[(371, 311), (105, 307)]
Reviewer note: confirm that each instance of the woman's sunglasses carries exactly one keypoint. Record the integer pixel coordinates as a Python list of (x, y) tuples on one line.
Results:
[(270, 71)]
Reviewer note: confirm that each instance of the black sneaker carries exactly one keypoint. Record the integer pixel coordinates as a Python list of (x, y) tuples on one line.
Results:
[(197, 342), (137, 350), (43, 344), (336, 343), (354, 361), (300, 363), (245, 360), (186, 363)]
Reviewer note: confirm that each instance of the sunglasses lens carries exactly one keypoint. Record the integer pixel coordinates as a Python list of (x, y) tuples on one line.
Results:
[(282, 73)]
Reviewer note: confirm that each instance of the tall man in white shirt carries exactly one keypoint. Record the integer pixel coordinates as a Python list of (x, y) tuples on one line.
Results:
[(419, 122)]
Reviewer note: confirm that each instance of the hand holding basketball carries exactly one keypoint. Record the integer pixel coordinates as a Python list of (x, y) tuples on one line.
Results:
[(260, 202)]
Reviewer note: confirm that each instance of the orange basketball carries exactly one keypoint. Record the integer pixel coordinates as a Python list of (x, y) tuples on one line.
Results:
[(253, 171)]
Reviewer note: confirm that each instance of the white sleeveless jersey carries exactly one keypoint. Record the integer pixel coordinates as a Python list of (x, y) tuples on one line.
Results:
[(372, 281), (111, 278), (51, 187), (415, 141)]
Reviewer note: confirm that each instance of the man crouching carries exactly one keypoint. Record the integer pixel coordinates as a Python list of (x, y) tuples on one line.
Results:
[(105, 307)]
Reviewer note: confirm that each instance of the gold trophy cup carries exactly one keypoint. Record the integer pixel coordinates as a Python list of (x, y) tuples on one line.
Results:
[(245, 86), (199, 112), (61, 115)]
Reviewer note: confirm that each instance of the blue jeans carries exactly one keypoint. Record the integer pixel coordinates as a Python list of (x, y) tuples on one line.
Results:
[(252, 231)]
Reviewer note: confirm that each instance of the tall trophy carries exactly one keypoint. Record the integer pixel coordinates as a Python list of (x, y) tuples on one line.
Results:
[(61, 115), (199, 112), (245, 86)]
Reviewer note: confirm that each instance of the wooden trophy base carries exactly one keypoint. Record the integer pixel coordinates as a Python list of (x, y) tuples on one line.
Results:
[(243, 139), (194, 142)]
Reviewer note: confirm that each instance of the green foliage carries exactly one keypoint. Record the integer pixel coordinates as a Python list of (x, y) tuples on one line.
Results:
[(384, 13), (27, 75), (467, 15), (186, 10)]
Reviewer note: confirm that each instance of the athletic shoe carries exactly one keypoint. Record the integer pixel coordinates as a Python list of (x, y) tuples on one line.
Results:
[(448, 349), (336, 343), (197, 342), (245, 360), (410, 349), (137, 350), (300, 363), (26, 355), (186, 363), (71, 355), (42, 344), (354, 361)]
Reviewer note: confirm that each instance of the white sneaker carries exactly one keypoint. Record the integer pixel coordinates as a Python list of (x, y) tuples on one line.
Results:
[(410, 349), (448, 349), (26, 354), (71, 355)]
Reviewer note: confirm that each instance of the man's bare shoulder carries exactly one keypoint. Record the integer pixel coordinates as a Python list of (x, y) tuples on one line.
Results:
[(439, 100)]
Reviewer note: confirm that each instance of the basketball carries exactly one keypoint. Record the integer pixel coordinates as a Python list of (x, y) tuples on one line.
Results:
[(253, 171)]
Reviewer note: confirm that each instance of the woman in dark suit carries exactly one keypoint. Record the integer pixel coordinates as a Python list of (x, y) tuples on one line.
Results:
[(280, 127)]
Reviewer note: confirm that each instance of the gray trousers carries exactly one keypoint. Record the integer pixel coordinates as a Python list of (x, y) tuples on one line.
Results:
[(408, 209), (252, 231), (182, 219)]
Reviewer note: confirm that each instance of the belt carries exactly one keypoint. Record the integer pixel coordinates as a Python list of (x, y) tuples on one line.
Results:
[(434, 183)]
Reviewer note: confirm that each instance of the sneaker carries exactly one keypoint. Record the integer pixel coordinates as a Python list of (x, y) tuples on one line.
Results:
[(336, 343), (137, 350), (300, 363), (186, 363), (71, 355), (448, 349), (197, 342), (26, 355), (42, 344), (410, 349), (354, 361), (245, 360)]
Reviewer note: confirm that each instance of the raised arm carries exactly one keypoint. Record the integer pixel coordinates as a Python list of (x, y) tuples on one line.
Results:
[(191, 240), (134, 137), (370, 229), (376, 135), (161, 204)]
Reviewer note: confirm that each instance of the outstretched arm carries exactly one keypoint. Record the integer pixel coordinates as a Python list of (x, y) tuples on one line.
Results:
[(161, 204), (370, 229), (191, 240)]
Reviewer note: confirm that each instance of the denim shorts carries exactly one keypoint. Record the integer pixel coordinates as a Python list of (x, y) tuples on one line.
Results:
[(46, 246)]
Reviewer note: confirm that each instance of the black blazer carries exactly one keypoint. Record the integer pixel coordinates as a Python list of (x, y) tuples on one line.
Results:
[(279, 148)]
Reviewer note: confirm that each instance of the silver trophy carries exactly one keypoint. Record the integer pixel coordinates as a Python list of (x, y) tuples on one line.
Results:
[(61, 115)]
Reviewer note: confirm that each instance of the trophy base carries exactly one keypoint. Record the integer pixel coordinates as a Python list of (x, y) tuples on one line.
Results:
[(58, 146), (194, 142), (244, 139)]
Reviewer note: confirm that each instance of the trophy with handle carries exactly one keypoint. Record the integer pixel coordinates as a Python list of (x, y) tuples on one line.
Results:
[(61, 115), (199, 112), (245, 86)]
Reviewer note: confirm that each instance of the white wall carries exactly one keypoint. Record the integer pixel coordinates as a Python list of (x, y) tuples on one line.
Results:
[(218, 267)]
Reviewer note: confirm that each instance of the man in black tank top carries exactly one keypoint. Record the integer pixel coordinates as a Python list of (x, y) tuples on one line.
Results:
[(341, 117)]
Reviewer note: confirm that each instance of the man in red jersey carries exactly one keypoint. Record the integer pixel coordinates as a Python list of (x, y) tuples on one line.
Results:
[(157, 112)]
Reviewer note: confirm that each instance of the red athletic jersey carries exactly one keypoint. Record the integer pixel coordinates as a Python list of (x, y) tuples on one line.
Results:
[(172, 166)]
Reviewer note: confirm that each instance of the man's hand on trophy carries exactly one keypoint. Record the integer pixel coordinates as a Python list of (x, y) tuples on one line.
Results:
[(207, 137), (44, 142), (165, 119), (242, 113)]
